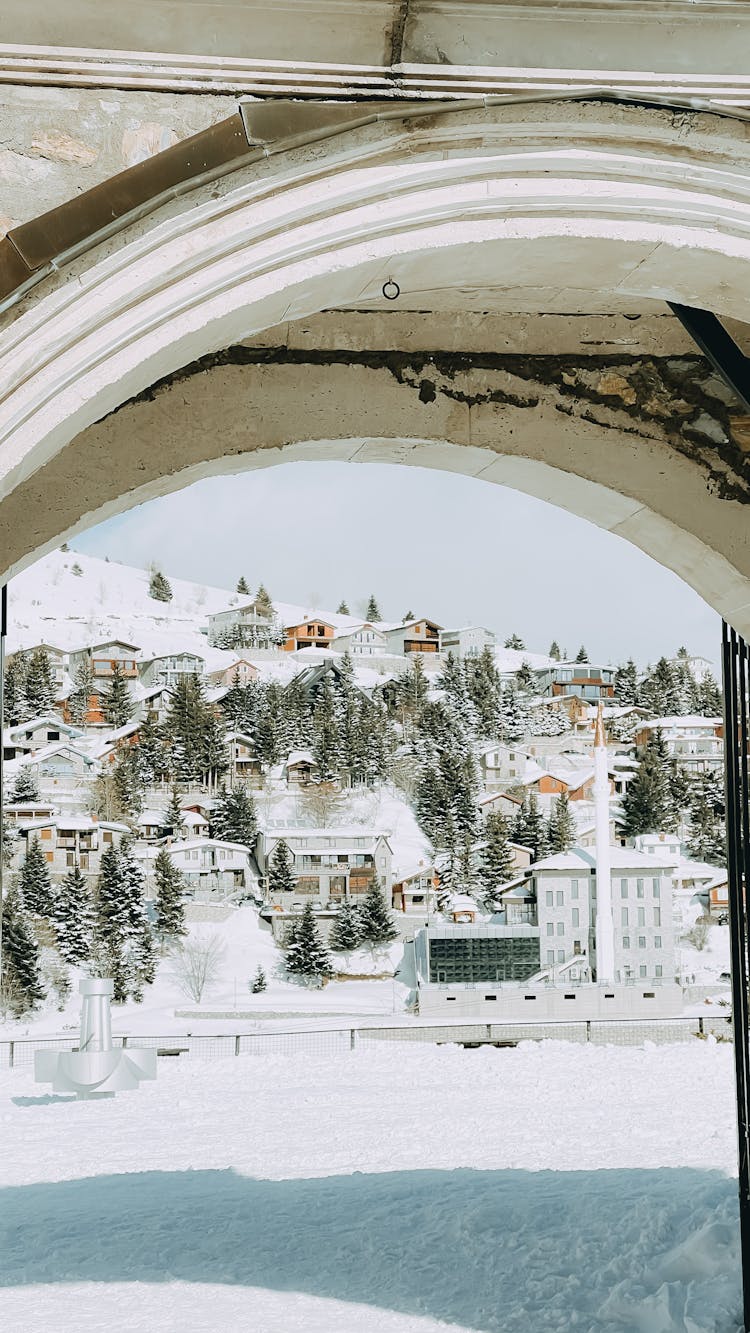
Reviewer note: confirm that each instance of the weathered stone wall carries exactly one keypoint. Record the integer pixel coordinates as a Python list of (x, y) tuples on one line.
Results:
[(57, 142)]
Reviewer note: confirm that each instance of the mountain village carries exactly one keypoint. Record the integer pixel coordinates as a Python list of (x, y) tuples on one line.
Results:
[(373, 799)]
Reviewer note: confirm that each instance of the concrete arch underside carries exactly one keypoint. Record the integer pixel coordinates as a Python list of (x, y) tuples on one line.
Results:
[(127, 373)]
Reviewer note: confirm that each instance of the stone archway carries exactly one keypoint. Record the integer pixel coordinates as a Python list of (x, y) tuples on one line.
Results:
[(574, 203)]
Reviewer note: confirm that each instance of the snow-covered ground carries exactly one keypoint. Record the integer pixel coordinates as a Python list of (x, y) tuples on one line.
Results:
[(390, 1190)]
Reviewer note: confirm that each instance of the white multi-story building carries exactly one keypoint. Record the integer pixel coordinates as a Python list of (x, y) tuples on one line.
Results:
[(365, 641), (330, 864), (170, 669), (469, 641), (696, 742)]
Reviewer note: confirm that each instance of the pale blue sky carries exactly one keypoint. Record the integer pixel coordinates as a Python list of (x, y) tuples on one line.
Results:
[(458, 550)]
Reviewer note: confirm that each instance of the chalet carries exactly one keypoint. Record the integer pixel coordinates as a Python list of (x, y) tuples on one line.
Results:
[(208, 865), (26, 737), (243, 761), (413, 636), (470, 641), (309, 633), (102, 658), (583, 679), (300, 768), (246, 626), (718, 897), (57, 658), (151, 825), (502, 765), (696, 742), (330, 864), (20, 812), (72, 840), (498, 802), (60, 766), (415, 891), (170, 669), (240, 670), (365, 641), (152, 704)]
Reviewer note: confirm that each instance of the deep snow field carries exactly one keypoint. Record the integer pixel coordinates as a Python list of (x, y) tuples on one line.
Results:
[(388, 1190)]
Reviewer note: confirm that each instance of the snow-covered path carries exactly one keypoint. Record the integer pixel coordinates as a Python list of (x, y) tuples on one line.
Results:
[(551, 1187)]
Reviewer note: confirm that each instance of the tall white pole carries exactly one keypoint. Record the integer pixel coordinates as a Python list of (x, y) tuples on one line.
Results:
[(605, 932)]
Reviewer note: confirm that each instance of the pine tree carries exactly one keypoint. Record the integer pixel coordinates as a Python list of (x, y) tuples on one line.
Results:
[(159, 587), (281, 876), (234, 819), (22, 984), (194, 744), (326, 743), (373, 610), (128, 784), (40, 686), (117, 705), (141, 959), (306, 955), (174, 814), (25, 788), (16, 704), (709, 700), (74, 918), (259, 982), (408, 615), (658, 691), (36, 891), (626, 684), (170, 897), (646, 804), (529, 827), (79, 699), (497, 864), (346, 931), (242, 586), (554, 651), (343, 609), (582, 655), (515, 641), (525, 677), (562, 826), (263, 601), (375, 919), (412, 689), (707, 841)]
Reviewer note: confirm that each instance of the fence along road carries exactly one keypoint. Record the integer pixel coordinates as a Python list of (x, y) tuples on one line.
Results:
[(19, 1054)]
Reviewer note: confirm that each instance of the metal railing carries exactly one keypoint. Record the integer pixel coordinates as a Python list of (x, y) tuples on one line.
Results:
[(19, 1053)]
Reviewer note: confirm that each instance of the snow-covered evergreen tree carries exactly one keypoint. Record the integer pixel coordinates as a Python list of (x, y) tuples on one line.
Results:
[(343, 609), (159, 587), (525, 679), (626, 684), (234, 818), (516, 642), (646, 803), (117, 704), (170, 894), (263, 601), (346, 931), (497, 864), (326, 740), (25, 787), (41, 691), (373, 610), (562, 826), (242, 586), (707, 840), (22, 988), (17, 707), (36, 890), (259, 982), (281, 876), (306, 954), (74, 918), (173, 816), (79, 700), (554, 651), (375, 918), (709, 701), (582, 655), (530, 828), (485, 690)]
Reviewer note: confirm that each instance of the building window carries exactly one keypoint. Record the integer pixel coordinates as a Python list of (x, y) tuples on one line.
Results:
[(576, 915), (561, 955), (641, 916), (574, 888), (549, 898), (658, 970), (639, 887), (550, 927), (641, 941), (550, 955), (643, 971), (657, 916), (624, 916), (623, 888), (656, 887), (626, 941), (657, 941), (561, 927), (560, 898)]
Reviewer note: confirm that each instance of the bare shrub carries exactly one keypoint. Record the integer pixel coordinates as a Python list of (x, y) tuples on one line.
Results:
[(698, 936), (196, 964)]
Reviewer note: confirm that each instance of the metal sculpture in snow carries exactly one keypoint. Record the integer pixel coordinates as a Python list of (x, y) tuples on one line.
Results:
[(97, 1068)]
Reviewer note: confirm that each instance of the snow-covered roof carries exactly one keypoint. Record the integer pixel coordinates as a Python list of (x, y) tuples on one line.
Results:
[(44, 720), (81, 822), (680, 720), (300, 757), (193, 844), (461, 902), (621, 858)]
